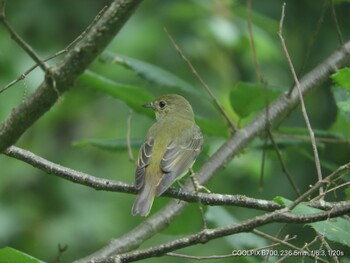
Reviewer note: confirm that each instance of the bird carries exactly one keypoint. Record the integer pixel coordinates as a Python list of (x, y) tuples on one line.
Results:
[(169, 150)]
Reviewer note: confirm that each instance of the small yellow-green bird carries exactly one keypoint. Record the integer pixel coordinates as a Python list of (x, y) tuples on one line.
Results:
[(171, 146)]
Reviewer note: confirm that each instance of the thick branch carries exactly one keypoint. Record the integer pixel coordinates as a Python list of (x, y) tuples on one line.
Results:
[(63, 75)]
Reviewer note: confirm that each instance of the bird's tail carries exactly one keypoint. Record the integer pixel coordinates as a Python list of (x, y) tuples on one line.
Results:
[(144, 200)]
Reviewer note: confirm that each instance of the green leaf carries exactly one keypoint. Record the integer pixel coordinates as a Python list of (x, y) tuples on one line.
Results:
[(11, 255), (347, 193), (336, 229), (150, 72), (109, 144), (279, 200), (342, 100), (342, 78), (133, 96), (247, 98)]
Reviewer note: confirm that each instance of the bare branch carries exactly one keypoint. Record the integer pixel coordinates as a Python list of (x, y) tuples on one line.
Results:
[(312, 39), (263, 83), (19, 40), (300, 93), (108, 185), (232, 254), (283, 165), (319, 184), (201, 81), (307, 138), (2, 8), (336, 23), (128, 132), (204, 236), (205, 198)]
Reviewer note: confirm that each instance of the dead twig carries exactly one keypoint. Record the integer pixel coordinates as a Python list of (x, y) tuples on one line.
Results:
[(65, 50), (128, 135), (303, 108), (201, 81)]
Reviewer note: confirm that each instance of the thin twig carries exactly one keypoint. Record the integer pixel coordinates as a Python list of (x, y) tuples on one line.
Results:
[(319, 184), (25, 74), (309, 244), (128, 135), (336, 23), (201, 81), (277, 241), (2, 9), (307, 138), (333, 189), (177, 255), (311, 41), (283, 165), (262, 166), (263, 83), (258, 72), (286, 243), (328, 247), (303, 108), (61, 250), (196, 187), (65, 50), (20, 41)]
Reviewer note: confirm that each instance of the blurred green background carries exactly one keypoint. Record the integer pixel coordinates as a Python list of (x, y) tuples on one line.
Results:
[(38, 211)]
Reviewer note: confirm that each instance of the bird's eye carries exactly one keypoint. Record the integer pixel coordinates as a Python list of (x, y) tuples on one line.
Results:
[(162, 104)]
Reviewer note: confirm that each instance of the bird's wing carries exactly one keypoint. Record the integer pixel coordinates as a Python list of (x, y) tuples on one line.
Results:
[(178, 158), (142, 162)]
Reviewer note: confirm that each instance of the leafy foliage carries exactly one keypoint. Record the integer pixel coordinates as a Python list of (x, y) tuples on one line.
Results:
[(247, 98), (10, 255), (149, 72), (342, 91)]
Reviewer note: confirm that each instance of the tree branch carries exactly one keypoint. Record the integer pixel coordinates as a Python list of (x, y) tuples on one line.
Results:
[(210, 199), (303, 108), (116, 186), (280, 216), (64, 74)]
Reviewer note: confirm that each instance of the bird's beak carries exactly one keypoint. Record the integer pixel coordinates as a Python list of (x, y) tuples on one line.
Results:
[(148, 105)]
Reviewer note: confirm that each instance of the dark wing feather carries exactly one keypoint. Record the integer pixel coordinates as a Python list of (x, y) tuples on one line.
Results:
[(143, 160), (178, 158)]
